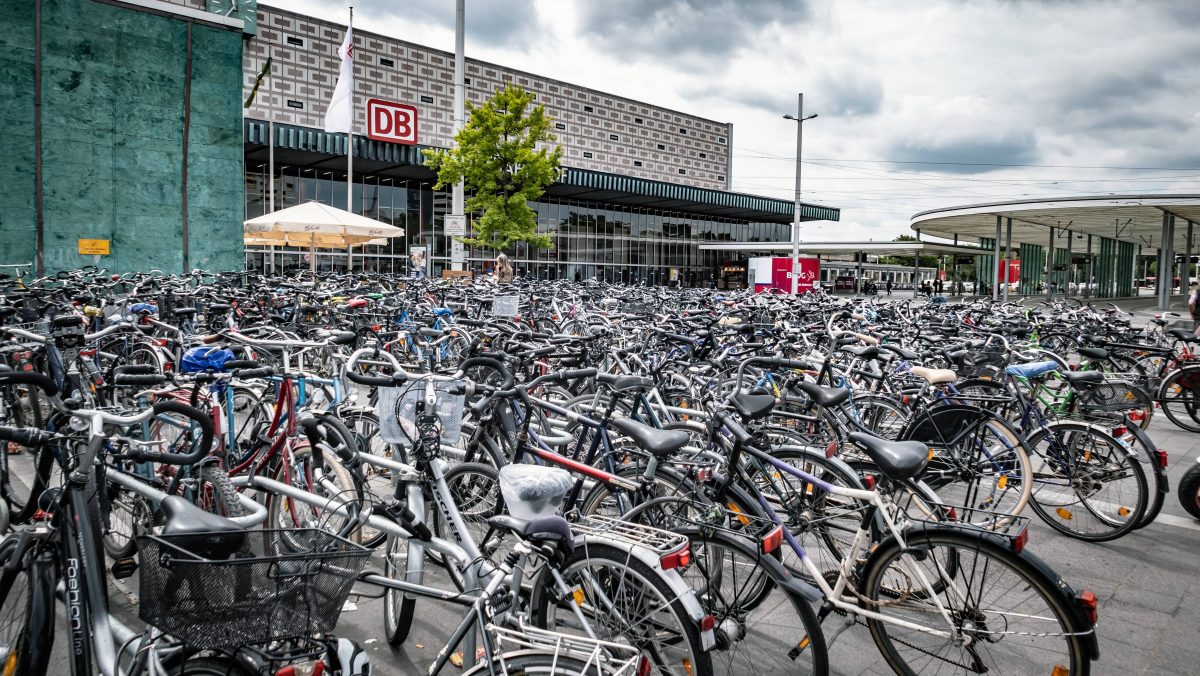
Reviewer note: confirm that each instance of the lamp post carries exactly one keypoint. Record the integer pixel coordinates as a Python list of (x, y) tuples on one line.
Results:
[(799, 119)]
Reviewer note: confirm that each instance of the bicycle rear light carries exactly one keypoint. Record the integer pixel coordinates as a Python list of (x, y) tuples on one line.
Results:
[(1022, 539), (1089, 604), (772, 540), (679, 558), (1162, 458)]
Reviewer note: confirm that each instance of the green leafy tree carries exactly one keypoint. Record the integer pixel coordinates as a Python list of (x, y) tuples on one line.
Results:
[(496, 155), (926, 261)]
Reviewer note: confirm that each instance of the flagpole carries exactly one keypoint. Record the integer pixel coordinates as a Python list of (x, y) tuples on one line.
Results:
[(350, 145)]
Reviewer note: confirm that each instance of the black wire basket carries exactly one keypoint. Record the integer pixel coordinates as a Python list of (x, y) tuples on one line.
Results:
[(1112, 395), (276, 584)]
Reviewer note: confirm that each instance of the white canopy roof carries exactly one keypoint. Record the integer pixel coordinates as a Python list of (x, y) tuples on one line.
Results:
[(317, 225)]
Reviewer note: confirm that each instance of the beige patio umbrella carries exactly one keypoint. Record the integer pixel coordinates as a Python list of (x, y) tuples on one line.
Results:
[(314, 225)]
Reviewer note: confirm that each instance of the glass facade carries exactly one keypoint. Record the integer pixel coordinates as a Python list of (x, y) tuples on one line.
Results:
[(609, 242)]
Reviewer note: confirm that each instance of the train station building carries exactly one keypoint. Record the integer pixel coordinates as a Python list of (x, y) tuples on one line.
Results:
[(131, 149)]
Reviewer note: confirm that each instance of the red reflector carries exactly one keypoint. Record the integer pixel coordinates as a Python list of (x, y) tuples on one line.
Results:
[(707, 623), (1021, 540), (869, 482), (677, 559), (831, 449), (1162, 458), (1087, 601), (318, 668), (87, 353), (376, 327), (644, 667), (1074, 367), (1120, 431), (286, 671), (951, 514), (704, 474), (905, 399), (1137, 415), (772, 540)]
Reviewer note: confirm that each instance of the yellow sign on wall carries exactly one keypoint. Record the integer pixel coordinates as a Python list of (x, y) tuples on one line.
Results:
[(92, 247)]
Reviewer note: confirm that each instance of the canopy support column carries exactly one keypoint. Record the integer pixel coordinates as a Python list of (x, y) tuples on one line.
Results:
[(1087, 283), (1069, 273), (1007, 255), (1050, 266), (1185, 275), (996, 262), (1166, 259)]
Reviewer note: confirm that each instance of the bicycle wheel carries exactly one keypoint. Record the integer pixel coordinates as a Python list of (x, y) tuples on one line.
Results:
[(1189, 491), (402, 559), (1179, 396), (759, 625), (1007, 616), (125, 510), (624, 601), (476, 491), (302, 472), (1086, 484), (209, 665), (26, 612)]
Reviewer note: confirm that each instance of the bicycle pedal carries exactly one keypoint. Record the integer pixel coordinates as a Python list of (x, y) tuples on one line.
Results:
[(124, 568)]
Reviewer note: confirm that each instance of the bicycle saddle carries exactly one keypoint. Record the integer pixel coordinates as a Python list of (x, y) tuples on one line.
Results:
[(67, 320), (1094, 352), (863, 352), (934, 376), (205, 534), (219, 308), (902, 352), (620, 383), (1077, 378), (753, 405), (552, 530), (824, 396), (1184, 335), (184, 311), (896, 459), (339, 337), (660, 443)]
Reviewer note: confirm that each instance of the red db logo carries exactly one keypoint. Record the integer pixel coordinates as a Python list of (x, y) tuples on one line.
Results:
[(391, 122)]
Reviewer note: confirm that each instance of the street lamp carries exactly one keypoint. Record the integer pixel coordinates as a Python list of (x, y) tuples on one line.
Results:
[(799, 119)]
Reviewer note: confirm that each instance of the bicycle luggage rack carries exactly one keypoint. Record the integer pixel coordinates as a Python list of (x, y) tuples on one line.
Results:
[(599, 657), (655, 539), (1010, 526)]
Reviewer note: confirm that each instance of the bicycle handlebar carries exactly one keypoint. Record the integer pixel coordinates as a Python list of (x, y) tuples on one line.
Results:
[(44, 383)]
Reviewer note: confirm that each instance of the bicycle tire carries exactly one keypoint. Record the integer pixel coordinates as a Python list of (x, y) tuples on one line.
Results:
[(1049, 473), (615, 570), (399, 608), (210, 665), (1179, 398), (283, 512), (476, 491), (1189, 491), (968, 548), (31, 629)]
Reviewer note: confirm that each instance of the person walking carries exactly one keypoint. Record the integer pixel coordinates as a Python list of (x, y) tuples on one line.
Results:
[(888, 286), (504, 271), (1193, 305)]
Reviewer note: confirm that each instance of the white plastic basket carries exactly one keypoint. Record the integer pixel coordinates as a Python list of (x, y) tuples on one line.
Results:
[(505, 306), (397, 410)]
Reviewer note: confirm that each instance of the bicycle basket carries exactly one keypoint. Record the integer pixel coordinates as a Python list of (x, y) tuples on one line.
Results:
[(280, 584), (983, 362), (397, 410), (1112, 395), (505, 306)]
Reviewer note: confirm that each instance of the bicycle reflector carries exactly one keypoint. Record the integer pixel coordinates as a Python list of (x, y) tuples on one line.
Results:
[(1120, 431), (1162, 458), (315, 668), (772, 540), (1021, 539), (679, 558), (1089, 605), (643, 666)]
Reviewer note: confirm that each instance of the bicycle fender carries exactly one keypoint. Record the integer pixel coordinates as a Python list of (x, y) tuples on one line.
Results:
[(1070, 599), (682, 590)]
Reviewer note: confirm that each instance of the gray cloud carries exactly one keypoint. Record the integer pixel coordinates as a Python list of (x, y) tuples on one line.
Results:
[(495, 23), (847, 94), (674, 29), (1012, 148)]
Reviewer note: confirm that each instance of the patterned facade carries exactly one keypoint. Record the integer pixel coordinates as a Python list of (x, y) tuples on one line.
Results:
[(597, 130)]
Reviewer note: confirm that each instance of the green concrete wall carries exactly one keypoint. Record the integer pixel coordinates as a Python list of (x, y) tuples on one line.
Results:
[(113, 83)]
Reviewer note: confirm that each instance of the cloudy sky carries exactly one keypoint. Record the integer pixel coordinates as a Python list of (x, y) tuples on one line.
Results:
[(921, 103)]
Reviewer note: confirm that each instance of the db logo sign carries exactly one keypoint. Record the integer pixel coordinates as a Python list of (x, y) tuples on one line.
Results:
[(391, 122)]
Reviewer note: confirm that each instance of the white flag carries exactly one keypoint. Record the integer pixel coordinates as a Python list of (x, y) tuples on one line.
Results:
[(340, 113)]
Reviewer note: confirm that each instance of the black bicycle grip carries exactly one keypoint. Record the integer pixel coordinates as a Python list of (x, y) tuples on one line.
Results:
[(136, 370), (418, 528), (25, 436), (38, 380), (130, 379), (206, 432), (375, 381), (240, 364), (261, 372), (572, 374), (312, 430), (740, 435)]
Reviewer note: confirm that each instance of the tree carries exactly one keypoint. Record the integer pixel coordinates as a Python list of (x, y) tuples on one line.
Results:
[(907, 261), (496, 155)]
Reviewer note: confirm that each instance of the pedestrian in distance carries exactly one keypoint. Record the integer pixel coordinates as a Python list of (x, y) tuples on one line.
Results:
[(1193, 305), (504, 271), (888, 286)]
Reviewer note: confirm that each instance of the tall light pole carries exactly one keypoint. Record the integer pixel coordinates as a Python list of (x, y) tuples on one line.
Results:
[(457, 197), (799, 119)]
